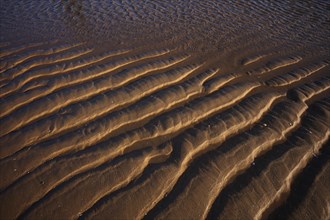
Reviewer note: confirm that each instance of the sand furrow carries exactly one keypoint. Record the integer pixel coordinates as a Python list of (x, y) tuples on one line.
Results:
[(16, 50), (126, 143), (100, 105), (219, 173), (105, 83), (51, 59), (99, 182), (127, 118), (13, 87), (4, 45), (257, 184), (158, 109), (283, 191), (267, 81), (273, 65), (296, 75), (308, 90), (231, 128), (189, 152), (310, 197), (153, 181), (13, 62), (179, 119), (89, 88), (252, 59), (62, 83), (217, 82), (268, 133), (61, 69)]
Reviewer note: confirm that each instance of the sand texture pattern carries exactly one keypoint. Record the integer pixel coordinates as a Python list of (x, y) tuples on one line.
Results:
[(164, 110)]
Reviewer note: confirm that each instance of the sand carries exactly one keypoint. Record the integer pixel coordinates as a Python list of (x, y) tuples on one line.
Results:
[(164, 110)]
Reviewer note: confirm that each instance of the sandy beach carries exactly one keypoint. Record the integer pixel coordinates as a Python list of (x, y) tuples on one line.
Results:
[(164, 109)]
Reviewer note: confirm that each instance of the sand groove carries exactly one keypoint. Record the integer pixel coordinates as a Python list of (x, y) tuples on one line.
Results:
[(133, 140), (201, 149), (104, 103), (152, 134), (136, 113), (275, 64), (287, 157), (62, 68), (226, 175), (252, 59), (212, 138), (295, 76), (284, 190), (14, 50), (51, 59), (11, 63), (315, 191), (61, 83), (137, 167), (90, 87)]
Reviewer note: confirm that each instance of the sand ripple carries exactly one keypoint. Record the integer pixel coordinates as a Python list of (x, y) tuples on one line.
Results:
[(231, 124)]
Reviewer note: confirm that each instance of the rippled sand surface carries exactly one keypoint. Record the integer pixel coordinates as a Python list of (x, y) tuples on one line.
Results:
[(164, 109)]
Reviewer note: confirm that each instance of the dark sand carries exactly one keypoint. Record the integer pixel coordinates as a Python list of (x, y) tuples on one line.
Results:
[(164, 109)]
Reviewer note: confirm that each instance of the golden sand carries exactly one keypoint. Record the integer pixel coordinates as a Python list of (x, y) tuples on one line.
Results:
[(166, 129)]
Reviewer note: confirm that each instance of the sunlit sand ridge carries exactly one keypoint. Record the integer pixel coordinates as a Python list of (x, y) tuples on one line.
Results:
[(166, 129)]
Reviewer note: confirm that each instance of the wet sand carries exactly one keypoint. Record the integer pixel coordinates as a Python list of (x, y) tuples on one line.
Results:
[(164, 110)]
